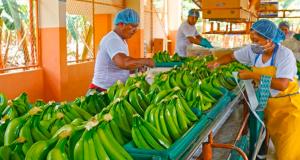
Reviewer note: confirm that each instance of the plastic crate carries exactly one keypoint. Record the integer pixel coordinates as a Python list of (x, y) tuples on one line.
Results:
[(169, 64), (177, 149), (219, 106)]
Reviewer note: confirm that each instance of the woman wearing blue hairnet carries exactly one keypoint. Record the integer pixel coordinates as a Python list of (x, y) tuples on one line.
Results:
[(187, 34), (113, 62), (269, 58)]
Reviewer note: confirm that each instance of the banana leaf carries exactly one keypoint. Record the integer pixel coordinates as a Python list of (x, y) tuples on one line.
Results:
[(13, 20), (71, 28)]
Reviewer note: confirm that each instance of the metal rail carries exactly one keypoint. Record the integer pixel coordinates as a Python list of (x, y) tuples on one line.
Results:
[(213, 127)]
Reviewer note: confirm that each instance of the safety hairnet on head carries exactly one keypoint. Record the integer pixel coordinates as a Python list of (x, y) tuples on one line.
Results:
[(194, 13), (127, 16), (269, 30), (284, 24)]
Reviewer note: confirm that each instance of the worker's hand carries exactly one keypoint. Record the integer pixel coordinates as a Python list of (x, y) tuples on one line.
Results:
[(213, 64), (142, 69), (246, 74), (149, 62), (205, 43)]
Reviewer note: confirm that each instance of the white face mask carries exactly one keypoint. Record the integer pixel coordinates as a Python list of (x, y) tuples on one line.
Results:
[(259, 49)]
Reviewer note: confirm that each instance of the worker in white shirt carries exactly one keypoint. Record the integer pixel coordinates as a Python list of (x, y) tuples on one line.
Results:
[(113, 62), (284, 26), (187, 34), (269, 58)]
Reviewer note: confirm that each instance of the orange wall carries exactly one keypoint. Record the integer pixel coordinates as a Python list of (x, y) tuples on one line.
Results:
[(31, 82), (135, 44), (53, 51), (103, 25), (79, 77), (172, 37)]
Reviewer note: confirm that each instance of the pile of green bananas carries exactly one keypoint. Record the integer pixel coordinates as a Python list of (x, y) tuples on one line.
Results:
[(135, 93), (99, 143), (146, 136), (164, 56), (42, 123), (16, 107), (93, 103), (201, 95), (173, 78), (170, 115), (122, 112), (93, 139)]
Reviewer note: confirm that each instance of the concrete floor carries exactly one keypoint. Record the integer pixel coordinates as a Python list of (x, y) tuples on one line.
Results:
[(228, 133)]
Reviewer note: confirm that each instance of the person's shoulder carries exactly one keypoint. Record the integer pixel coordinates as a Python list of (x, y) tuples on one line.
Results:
[(285, 52), (111, 37), (185, 24)]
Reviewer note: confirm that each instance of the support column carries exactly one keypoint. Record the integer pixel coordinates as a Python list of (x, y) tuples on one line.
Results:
[(136, 42), (174, 21), (53, 47)]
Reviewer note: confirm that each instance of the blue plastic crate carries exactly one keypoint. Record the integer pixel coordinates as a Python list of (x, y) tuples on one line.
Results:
[(169, 64), (219, 106), (176, 150)]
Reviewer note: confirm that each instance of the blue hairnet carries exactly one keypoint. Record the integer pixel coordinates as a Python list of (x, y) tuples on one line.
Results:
[(269, 30), (194, 13), (284, 24), (127, 16)]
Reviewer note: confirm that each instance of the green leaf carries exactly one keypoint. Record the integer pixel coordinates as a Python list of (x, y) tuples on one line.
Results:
[(11, 8), (71, 28), (8, 23)]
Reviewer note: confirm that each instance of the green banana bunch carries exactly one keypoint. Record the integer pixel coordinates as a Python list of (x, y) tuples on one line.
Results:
[(122, 113), (73, 140), (138, 100), (111, 91), (5, 152), (176, 58), (211, 87), (21, 104), (298, 67), (25, 132), (226, 82), (13, 129), (146, 136), (40, 149), (3, 102), (111, 146), (83, 114), (12, 151), (58, 152), (39, 133), (3, 126), (171, 117), (185, 107)]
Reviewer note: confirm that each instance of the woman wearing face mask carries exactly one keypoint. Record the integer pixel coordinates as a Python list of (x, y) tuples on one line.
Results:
[(268, 57)]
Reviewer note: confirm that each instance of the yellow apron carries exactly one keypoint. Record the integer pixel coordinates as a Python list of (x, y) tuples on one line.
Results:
[(282, 118)]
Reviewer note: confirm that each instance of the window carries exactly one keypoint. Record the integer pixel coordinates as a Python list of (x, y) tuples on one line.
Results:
[(18, 35), (80, 31)]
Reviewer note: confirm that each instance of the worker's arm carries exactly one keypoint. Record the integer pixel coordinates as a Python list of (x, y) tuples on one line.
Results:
[(277, 83), (129, 63), (222, 60), (200, 41), (194, 40)]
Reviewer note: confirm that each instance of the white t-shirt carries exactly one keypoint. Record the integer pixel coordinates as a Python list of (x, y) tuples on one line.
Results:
[(285, 62), (185, 30), (106, 73)]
